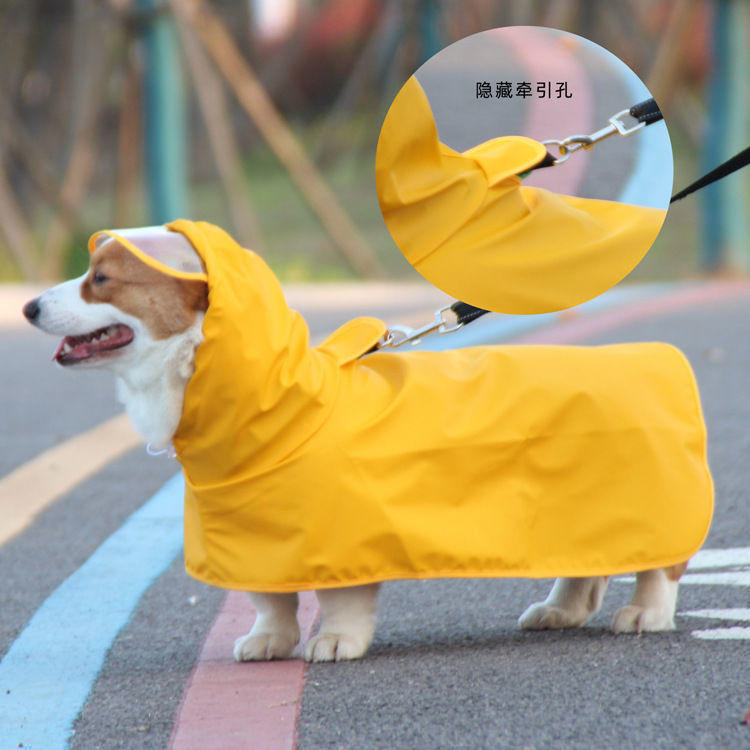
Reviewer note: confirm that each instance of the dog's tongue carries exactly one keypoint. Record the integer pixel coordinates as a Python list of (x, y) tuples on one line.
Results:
[(77, 348)]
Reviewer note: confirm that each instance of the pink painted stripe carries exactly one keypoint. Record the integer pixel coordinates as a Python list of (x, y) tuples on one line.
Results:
[(572, 329), (553, 58), (231, 706)]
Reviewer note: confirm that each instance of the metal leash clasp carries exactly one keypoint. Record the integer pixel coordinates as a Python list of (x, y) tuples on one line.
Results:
[(574, 143), (398, 335)]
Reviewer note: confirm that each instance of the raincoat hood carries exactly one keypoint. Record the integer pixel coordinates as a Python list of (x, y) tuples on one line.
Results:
[(464, 221), (313, 467)]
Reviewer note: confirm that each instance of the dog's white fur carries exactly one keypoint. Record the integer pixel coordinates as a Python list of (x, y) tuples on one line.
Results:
[(151, 375), (151, 378)]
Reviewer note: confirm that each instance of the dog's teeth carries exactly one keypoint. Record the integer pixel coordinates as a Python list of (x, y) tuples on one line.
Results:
[(67, 348)]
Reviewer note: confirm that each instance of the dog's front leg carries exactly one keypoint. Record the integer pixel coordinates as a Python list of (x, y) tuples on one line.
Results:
[(570, 603), (275, 632), (347, 623)]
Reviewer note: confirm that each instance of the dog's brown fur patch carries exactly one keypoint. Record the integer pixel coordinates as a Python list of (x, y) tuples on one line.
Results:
[(674, 572), (166, 305)]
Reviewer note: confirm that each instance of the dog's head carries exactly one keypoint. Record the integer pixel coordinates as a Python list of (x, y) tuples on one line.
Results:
[(120, 309)]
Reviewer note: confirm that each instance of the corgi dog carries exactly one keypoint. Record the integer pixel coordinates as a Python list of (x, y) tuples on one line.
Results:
[(146, 326)]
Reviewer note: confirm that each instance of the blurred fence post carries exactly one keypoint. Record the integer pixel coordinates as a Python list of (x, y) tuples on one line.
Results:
[(737, 205), (164, 115), (712, 224), (724, 204), (429, 29)]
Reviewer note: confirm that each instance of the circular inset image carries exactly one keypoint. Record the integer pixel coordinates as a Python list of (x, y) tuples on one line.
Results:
[(524, 170)]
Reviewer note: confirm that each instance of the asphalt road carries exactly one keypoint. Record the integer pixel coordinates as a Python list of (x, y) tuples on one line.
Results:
[(448, 668)]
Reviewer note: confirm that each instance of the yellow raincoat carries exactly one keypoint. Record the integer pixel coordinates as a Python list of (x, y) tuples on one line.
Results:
[(320, 467), (466, 224)]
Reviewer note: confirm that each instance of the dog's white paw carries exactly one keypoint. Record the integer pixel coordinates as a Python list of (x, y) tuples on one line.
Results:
[(543, 616), (636, 619), (334, 647), (264, 646)]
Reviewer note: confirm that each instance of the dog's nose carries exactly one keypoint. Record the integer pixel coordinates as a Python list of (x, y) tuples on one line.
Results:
[(31, 309)]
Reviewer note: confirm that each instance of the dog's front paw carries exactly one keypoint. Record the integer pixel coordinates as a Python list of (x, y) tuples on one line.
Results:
[(543, 616), (636, 619), (264, 646), (334, 647)]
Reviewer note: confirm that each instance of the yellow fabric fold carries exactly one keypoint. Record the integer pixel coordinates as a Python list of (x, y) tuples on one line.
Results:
[(313, 467), (464, 221)]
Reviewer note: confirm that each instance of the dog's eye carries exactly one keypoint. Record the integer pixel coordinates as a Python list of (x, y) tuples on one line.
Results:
[(99, 277)]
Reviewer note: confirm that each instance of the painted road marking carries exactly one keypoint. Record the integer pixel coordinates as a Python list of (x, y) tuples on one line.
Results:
[(718, 558), (582, 328), (736, 564), (230, 706), (723, 634), (739, 614), (48, 671), (29, 489)]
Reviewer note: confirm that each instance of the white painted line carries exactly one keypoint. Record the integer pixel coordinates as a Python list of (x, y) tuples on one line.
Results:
[(48, 672), (740, 614), (732, 578), (723, 634), (29, 489), (707, 561), (720, 558)]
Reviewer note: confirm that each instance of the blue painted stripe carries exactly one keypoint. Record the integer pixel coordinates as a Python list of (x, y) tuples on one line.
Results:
[(48, 672)]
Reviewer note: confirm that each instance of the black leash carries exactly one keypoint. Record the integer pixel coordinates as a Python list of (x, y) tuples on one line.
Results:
[(465, 312), (730, 165), (647, 111)]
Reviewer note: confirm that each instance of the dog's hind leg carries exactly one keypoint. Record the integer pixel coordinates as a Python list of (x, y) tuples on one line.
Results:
[(275, 632), (570, 603), (653, 604), (347, 623)]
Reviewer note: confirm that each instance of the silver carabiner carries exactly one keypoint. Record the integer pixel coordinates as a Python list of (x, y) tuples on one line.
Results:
[(398, 335), (574, 143)]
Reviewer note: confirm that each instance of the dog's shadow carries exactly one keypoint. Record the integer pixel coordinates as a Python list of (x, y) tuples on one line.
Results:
[(486, 641)]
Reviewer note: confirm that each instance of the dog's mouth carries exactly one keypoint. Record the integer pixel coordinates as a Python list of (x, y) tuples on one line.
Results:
[(74, 349)]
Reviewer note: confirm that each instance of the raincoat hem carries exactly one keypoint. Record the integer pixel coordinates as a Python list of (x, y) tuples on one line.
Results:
[(562, 572)]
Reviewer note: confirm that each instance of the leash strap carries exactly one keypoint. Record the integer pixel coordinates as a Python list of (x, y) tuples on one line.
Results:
[(730, 165), (647, 112), (466, 313)]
